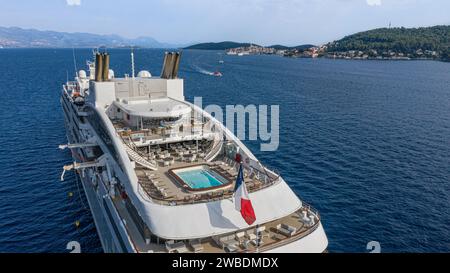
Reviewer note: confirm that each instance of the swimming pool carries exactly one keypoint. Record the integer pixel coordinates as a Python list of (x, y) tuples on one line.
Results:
[(200, 178)]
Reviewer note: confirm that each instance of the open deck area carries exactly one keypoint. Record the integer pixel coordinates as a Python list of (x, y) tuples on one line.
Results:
[(256, 239), (163, 188), (154, 164)]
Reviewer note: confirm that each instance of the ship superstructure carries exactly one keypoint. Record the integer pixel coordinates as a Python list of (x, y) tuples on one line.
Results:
[(159, 172)]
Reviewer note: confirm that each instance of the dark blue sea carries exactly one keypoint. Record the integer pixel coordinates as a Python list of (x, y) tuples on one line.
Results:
[(365, 142)]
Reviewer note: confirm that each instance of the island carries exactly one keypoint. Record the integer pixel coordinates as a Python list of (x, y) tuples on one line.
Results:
[(425, 43)]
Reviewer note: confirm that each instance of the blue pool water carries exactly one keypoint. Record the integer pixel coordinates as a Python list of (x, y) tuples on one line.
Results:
[(365, 142), (199, 178)]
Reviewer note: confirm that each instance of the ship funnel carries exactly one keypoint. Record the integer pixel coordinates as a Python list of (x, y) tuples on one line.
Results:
[(98, 67), (166, 67), (105, 71), (171, 65), (176, 65), (101, 67)]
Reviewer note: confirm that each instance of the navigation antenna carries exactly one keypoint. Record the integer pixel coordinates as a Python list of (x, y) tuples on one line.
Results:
[(74, 62), (132, 63)]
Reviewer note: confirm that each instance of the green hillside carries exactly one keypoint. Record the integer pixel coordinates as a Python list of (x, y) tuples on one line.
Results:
[(410, 41)]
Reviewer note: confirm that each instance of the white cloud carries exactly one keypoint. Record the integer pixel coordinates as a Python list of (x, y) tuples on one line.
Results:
[(373, 2), (73, 2)]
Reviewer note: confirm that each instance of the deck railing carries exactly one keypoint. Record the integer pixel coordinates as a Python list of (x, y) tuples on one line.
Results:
[(263, 243)]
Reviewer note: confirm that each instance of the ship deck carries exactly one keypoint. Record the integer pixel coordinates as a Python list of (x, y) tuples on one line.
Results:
[(161, 187), (153, 164), (275, 234)]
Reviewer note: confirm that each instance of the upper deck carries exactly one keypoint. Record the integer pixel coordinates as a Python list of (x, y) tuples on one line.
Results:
[(156, 152)]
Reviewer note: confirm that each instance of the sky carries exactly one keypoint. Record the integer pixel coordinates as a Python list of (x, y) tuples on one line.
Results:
[(265, 22)]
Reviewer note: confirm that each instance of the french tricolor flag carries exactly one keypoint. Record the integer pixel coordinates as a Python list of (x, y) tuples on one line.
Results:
[(241, 199)]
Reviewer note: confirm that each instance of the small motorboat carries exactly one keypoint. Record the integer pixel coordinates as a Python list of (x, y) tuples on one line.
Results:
[(217, 74)]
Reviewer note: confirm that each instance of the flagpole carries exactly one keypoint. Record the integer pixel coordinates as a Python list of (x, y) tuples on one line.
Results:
[(257, 238)]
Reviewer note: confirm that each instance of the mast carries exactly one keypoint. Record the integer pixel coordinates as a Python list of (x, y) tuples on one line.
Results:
[(132, 64)]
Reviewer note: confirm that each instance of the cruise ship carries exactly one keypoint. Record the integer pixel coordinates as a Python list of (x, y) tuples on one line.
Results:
[(159, 173)]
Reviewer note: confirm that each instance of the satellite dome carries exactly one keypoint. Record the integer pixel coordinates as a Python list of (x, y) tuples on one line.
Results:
[(144, 74), (111, 74), (82, 74)]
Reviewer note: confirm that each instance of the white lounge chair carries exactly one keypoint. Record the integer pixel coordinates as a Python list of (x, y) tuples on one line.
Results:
[(173, 247), (196, 245), (231, 248), (286, 230), (228, 240), (250, 234), (240, 236), (263, 233), (232, 172)]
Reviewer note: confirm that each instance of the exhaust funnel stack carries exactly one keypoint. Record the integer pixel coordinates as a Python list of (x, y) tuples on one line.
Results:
[(101, 67), (98, 67), (176, 65), (105, 72), (171, 65)]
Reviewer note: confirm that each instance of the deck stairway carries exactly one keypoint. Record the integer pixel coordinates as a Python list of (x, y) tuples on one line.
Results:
[(136, 157), (139, 159)]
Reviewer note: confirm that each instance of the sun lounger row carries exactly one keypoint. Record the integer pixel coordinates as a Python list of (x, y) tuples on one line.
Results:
[(233, 242), (157, 184), (181, 247), (204, 196)]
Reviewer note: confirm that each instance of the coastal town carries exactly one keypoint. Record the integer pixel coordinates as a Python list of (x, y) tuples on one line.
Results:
[(383, 55), (309, 52), (322, 51), (253, 50)]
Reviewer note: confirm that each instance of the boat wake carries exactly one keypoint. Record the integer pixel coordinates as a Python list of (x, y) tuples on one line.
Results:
[(203, 71)]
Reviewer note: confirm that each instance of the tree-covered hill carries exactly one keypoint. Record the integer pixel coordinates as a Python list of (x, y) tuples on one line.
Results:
[(409, 41)]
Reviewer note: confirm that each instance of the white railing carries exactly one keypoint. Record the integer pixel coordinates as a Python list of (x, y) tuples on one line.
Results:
[(216, 149), (136, 157)]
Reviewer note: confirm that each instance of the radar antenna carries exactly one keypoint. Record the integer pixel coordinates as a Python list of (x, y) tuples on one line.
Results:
[(74, 62), (132, 63)]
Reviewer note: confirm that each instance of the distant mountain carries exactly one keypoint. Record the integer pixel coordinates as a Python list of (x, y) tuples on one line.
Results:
[(411, 41), (22, 38), (218, 46)]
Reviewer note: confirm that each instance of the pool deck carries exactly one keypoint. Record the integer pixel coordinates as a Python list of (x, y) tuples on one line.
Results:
[(164, 180), (222, 181), (163, 188)]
